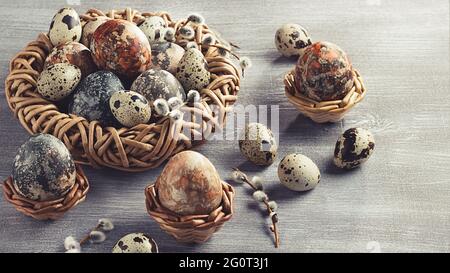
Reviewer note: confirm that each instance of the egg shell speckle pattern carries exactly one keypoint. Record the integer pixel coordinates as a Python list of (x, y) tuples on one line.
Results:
[(157, 83), (167, 56), (353, 148), (43, 169), (291, 39), (65, 27), (258, 144), (135, 243), (298, 173), (130, 108), (58, 81), (91, 97), (89, 29), (154, 28), (192, 70)]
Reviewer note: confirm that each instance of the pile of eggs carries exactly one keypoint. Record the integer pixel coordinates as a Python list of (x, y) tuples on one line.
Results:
[(119, 73)]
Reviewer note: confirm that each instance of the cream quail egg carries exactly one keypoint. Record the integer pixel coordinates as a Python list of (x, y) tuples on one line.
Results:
[(65, 27), (258, 144), (130, 108), (193, 71), (353, 148), (166, 56), (154, 28), (89, 29), (291, 39), (298, 173), (135, 243), (58, 81)]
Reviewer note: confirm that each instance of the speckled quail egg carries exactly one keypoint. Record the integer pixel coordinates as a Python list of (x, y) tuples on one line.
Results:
[(166, 56), (130, 108), (89, 29), (91, 97), (154, 28), (43, 168), (193, 71), (136, 243), (353, 148), (58, 81), (157, 83), (291, 39), (65, 27), (258, 144), (298, 173)]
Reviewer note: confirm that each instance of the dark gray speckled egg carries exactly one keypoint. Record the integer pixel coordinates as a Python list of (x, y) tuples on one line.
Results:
[(166, 56), (43, 168), (353, 148), (135, 243)]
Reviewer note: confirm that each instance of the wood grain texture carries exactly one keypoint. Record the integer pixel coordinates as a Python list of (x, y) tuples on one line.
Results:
[(399, 199)]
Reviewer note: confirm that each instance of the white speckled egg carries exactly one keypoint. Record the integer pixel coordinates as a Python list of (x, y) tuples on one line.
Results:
[(58, 81), (193, 71), (353, 148), (43, 168), (65, 27), (89, 29), (154, 28), (298, 173), (166, 56), (130, 108), (258, 144), (135, 243), (291, 39)]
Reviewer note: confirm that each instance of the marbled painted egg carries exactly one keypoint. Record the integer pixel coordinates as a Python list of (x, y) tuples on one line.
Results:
[(58, 81), (157, 83), (120, 46), (298, 173), (130, 108), (167, 56), (193, 71), (154, 28), (353, 148), (291, 40), (258, 144), (91, 97), (89, 29), (324, 72), (136, 243), (73, 53), (43, 168), (65, 27), (189, 185)]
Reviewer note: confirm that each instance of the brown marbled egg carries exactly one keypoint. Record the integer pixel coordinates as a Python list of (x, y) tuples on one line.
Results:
[(72, 53), (166, 56), (324, 72), (90, 27), (121, 47), (189, 185)]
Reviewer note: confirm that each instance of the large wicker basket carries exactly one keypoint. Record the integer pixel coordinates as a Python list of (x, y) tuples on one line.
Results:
[(324, 111), (142, 147), (192, 228)]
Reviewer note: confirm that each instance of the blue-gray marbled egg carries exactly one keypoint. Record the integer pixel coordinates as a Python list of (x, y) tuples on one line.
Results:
[(156, 83), (166, 56), (130, 108), (353, 148), (193, 71), (65, 27), (91, 97), (58, 81), (154, 28), (135, 243), (43, 168)]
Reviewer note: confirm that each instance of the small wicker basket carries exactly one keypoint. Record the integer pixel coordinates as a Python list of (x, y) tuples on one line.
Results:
[(48, 210), (325, 111), (192, 228)]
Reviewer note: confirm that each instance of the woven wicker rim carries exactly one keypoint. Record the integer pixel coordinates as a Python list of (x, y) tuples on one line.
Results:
[(325, 111), (142, 147), (191, 228), (44, 210)]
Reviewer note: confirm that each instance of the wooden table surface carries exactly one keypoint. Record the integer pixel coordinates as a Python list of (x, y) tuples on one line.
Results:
[(398, 201)]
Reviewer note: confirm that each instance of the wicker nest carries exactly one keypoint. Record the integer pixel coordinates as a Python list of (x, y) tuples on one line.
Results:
[(44, 210), (324, 111), (192, 228), (142, 147)]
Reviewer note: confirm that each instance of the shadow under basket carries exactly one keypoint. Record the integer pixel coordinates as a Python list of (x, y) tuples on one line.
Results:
[(324, 111), (48, 210), (190, 228)]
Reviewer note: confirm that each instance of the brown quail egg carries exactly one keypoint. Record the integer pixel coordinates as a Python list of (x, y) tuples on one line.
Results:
[(58, 81), (258, 144), (89, 29), (298, 173), (43, 168), (291, 39), (156, 83), (135, 243), (65, 27), (130, 108), (353, 148), (166, 56), (154, 28), (193, 71)]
